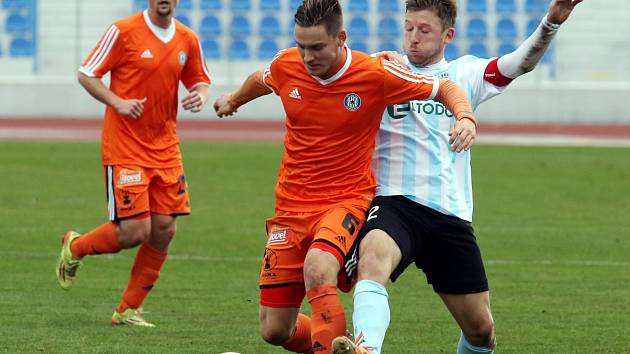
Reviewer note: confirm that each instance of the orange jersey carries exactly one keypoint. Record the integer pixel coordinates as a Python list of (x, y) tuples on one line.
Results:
[(146, 61), (332, 125)]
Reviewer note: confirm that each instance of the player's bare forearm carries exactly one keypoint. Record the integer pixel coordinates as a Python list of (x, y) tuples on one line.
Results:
[(95, 87), (131, 108), (196, 98)]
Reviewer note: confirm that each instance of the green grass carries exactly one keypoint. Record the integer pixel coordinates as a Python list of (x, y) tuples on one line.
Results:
[(552, 223)]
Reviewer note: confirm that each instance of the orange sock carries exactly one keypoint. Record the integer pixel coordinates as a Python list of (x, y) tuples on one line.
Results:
[(300, 340), (328, 319), (100, 240), (144, 274)]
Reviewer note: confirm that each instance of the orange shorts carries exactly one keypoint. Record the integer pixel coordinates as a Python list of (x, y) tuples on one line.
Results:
[(290, 235), (134, 190)]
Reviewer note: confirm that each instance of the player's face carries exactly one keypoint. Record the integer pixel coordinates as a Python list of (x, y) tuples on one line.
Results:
[(163, 7), (319, 50), (425, 38)]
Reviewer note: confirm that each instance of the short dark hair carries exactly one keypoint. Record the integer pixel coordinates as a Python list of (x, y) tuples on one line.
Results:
[(316, 12), (446, 10)]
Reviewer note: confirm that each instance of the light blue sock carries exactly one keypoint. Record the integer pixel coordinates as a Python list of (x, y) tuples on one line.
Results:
[(371, 313), (464, 347)]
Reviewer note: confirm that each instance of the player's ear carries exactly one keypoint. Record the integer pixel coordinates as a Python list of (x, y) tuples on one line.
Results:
[(449, 35), (342, 37)]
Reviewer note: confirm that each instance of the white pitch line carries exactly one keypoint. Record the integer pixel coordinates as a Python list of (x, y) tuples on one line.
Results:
[(178, 257)]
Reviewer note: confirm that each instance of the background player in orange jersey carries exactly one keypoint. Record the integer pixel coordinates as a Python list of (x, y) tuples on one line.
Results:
[(148, 54), (333, 98)]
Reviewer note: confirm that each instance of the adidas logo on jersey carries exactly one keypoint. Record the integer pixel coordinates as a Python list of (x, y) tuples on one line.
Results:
[(146, 54), (295, 94)]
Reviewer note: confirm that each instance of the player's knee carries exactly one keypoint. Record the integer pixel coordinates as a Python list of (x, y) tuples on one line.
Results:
[(275, 336), (133, 236), (482, 334), (320, 268)]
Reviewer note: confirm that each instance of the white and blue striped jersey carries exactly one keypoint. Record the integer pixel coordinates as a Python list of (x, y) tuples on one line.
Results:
[(413, 157)]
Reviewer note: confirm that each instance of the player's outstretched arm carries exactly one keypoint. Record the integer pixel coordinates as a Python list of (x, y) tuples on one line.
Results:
[(131, 108), (464, 131), (525, 58), (252, 88), (196, 98)]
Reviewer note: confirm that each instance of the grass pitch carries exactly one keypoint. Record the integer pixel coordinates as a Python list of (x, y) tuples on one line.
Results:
[(552, 223)]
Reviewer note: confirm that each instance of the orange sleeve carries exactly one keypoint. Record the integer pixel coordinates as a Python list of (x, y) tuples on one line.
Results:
[(402, 84), (106, 55), (252, 88), (455, 100), (195, 71)]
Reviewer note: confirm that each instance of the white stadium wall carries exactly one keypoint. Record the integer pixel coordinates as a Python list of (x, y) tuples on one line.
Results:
[(586, 80)]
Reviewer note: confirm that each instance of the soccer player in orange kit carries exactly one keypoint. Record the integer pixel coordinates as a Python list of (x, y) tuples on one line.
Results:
[(333, 98), (147, 54)]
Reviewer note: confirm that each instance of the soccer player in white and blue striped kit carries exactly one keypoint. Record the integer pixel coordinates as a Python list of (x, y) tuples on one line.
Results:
[(423, 208)]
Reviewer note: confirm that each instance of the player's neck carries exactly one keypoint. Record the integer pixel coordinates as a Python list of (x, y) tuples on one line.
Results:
[(160, 20), (341, 60)]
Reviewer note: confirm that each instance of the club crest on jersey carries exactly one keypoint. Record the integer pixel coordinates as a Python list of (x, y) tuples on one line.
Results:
[(352, 102), (182, 58)]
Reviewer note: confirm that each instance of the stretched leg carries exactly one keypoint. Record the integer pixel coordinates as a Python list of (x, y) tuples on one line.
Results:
[(379, 255), (148, 263), (472, 313), (110, 237), (328, 319)]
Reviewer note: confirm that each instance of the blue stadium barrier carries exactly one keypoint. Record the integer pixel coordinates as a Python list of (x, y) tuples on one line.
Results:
[(139, 5), (360, 46), (388, 27), (536, 6), (476, 6), (211, 5), (270, 5), (388, 6), (16, 4), (505, 48), (358, 6), (267, 49), (269, 27), (290, 28), (184, 20), (241, 5), (531, 26), (506, 29), (479, 50), (358, 28), (388, 46), (239, 50), (21, 47), (211, 49), (240, 26), (505, 6), (184, 5), (293, 5), (210, 26), (16, 23), (451, 52), (476, 29)]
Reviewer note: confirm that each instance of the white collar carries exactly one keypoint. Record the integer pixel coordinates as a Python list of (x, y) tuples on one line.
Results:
[(341, 71), (164, 34), (437, 66)]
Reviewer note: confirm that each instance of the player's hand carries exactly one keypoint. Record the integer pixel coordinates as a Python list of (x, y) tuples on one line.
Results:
[(194, 102), (223, 107), (391, 56), (132, 108), (559, 10), (462, 135)]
